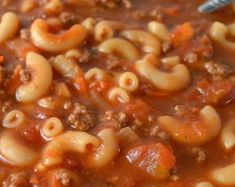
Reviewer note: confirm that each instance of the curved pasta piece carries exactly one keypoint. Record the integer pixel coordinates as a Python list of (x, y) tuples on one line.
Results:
[(204, 184), (206, 127), (127, 81), (228, 134), (9, 26), (218, 32), (117, 45), (97, 74), (108, 149), (74, 141), (52, 128), (175, 80), (39, 84), (105, 29), (66, 67), (150, 43), (56, 43), (225, 175), (159, 30), (13, 119), (89, 23), (13, 150), (118, 94)]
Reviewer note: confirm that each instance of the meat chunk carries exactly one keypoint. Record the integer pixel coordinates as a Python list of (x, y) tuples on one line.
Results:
[(16, 179), (68, 18), (199, 153), (119, 119), (81, 118), (218, 70)]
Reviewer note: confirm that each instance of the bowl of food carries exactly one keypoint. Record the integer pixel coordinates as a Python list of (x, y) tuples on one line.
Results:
[(120, 93)]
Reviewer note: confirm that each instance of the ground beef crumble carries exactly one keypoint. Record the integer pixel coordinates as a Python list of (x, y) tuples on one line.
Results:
[(218, 70), (16, 179), (199, 153), (64, 178), (120, 119), (81, 118)]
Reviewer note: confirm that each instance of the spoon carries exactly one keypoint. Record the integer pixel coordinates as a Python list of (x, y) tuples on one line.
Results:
[(212, 5)]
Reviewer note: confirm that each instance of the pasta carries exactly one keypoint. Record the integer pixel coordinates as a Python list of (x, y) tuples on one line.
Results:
[(159, 30), (52, 127), (227, 135), (177, 79), (219, 31), (9, 26), (127, 80), (124, 48), (149, 42), (106, 152), (89, 24), (224, 175), (206, 127), (105, 29), (54, 6), (204, 184), (75, 141), (27, 5), (125, 93), (56, 43), (38, 85), (13, 119), (97, 74), (16, 152), (66, 67), (118, 94)]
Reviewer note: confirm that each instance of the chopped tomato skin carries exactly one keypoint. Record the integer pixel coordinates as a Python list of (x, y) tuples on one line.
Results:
[(182, 33), (155, 159)]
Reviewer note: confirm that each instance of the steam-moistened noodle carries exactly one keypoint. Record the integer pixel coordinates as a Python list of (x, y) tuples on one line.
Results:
[(116, 93)]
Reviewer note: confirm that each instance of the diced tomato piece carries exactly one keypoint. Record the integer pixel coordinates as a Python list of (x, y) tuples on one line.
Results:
[(213, 92), (182, 33), (139, 109), (81, 85), (155, 159), (22, 47)]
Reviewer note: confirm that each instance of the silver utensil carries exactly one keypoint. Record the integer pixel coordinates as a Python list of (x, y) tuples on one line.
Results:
[(212, 5)]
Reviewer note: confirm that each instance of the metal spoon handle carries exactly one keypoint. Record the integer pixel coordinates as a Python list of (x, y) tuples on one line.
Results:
[(213, 5)]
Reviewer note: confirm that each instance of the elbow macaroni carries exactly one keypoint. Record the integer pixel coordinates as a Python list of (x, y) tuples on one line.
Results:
[(16, 152), (66, 67), (159, 30), (177, 79), (206, 127), (149, 42), (225, 175), (75, 141), (39, 84), (118, 94), (105, 29), (228, 135), (13, 119), (52, 128), (117, 45), (56, 43), (218, 32), (106, 152), (9, 26), (127, 80)]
